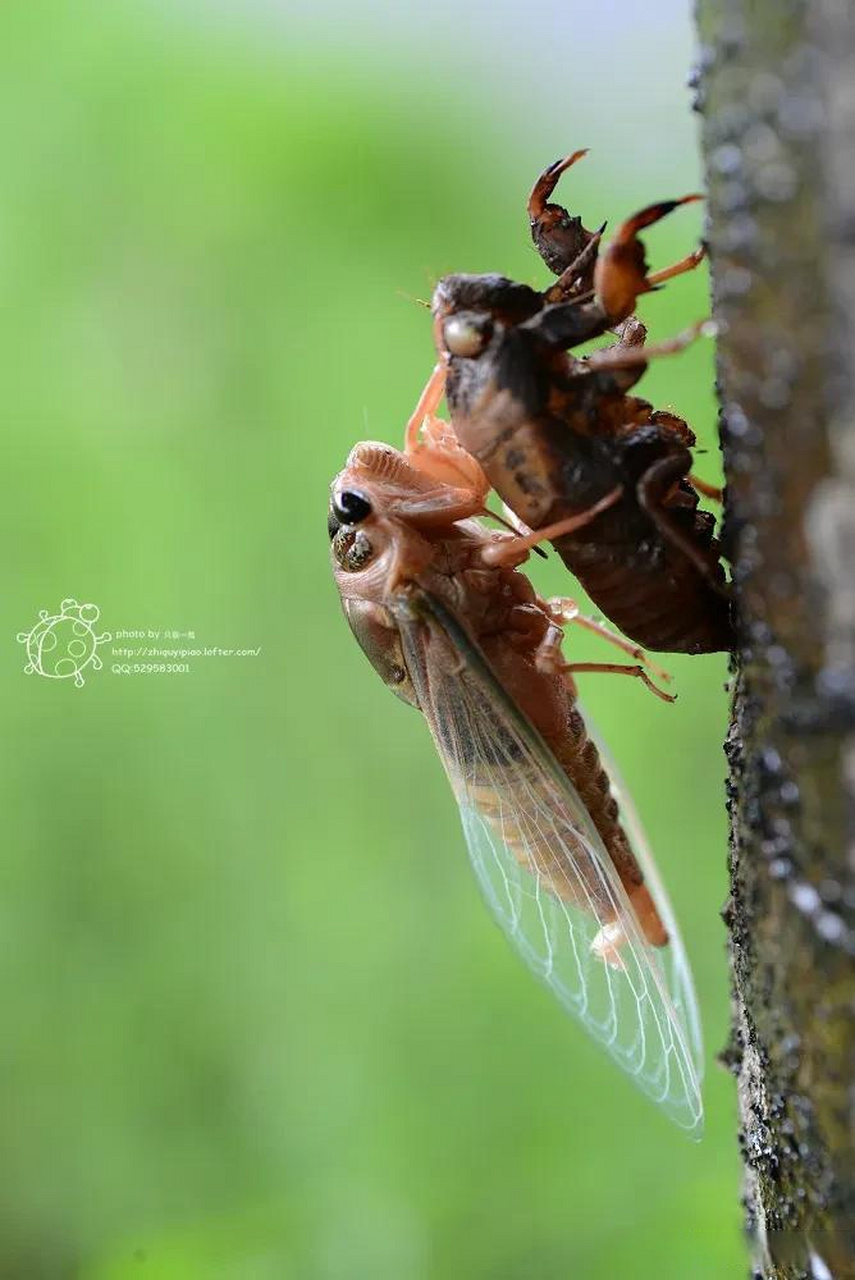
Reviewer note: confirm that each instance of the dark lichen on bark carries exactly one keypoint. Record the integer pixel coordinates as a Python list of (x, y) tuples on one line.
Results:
[(776, 93)]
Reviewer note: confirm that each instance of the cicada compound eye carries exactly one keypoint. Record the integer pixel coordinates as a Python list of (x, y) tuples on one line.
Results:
[(351, 546), (467, 335), (352, 549)]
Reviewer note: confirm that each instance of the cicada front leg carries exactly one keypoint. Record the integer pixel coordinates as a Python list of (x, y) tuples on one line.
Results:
[(514, 550), (432, 448), (560, 239), (426, 408), (621, 275)]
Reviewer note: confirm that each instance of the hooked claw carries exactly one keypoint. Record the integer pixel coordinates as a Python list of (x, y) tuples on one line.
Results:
[(548, 181), (558, 237), (620, 273)]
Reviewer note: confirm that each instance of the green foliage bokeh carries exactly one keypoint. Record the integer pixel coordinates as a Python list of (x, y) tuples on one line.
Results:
[(258, 1023)]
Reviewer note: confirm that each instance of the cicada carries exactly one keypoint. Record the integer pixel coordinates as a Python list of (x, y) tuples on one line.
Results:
[(438, 602)]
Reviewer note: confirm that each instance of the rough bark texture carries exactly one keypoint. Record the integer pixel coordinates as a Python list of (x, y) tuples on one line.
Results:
[(776, 92), (777, 95)]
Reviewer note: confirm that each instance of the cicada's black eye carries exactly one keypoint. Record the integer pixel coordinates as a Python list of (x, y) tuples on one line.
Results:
[(351, 507), (333, 523)]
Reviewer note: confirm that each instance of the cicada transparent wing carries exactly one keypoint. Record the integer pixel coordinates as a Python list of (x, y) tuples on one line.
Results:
[(678, 974), (542, 865)]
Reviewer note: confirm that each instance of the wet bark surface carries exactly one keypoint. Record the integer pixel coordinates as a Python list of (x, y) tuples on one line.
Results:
[(775, 87)]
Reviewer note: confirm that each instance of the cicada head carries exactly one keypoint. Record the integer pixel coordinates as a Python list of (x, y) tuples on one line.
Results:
[(377, 550), (375, 541), (493, 296)]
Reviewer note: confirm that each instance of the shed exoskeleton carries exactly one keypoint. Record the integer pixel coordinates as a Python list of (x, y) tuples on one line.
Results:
[(556, 434)]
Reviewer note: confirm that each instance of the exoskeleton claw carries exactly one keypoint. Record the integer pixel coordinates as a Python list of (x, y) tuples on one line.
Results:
[(548, 181), (559, 237), (621, 274), (650, 214)]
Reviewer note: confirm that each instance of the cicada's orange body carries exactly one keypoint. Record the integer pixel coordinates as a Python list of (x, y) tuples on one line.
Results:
[(439, 605)]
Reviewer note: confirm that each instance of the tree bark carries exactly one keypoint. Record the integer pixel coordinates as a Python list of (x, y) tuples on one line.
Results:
[(776, 92)]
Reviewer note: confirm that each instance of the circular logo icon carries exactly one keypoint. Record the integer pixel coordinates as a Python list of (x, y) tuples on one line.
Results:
[(61, 646)]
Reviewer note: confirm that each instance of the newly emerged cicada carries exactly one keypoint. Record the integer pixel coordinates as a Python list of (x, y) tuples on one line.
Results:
[(438, 603)]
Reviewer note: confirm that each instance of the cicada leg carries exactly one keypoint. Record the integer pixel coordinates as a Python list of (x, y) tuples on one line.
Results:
[(620, 669), (512, 551), (631, 334), (567, 248), (711, 491), (432, 448), (675, 426), (691, 260), (426, 407), (621, 275), (656, 482), (623, 356), (607, 944), (549, 656), (564, 611)]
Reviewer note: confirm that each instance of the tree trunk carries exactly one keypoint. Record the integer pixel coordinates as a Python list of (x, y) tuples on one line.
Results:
[(776, 91)]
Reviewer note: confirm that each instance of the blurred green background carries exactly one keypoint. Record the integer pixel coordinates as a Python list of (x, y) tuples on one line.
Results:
[(257, 1021)]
